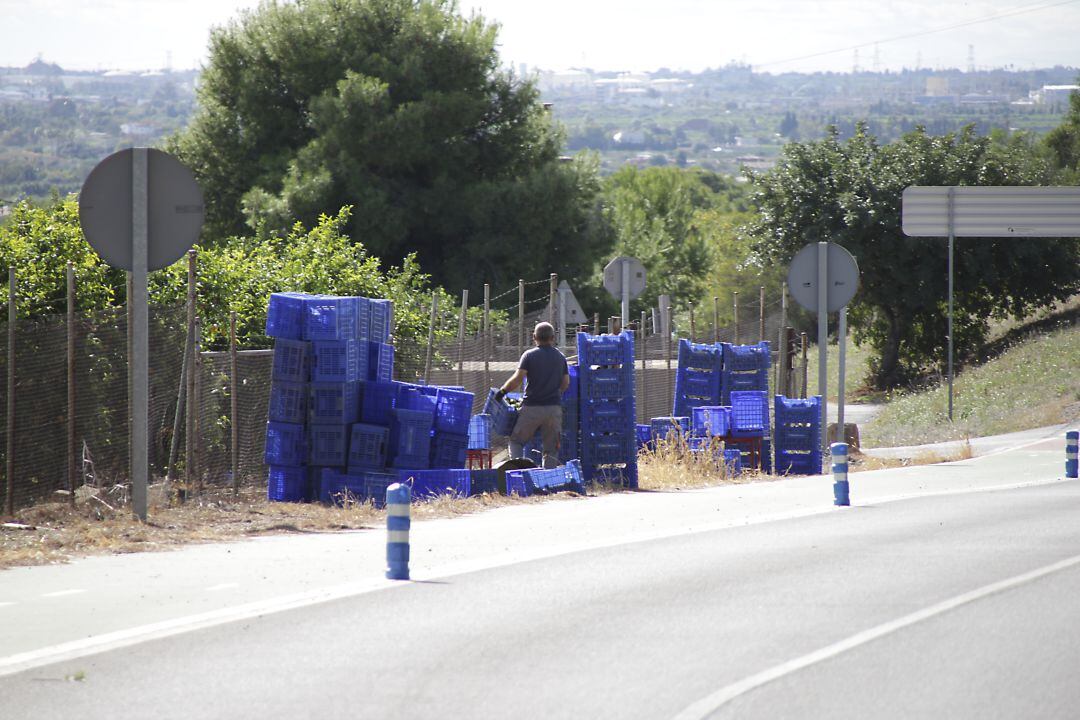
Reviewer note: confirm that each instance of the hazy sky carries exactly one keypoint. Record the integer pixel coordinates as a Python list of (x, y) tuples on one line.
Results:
[(772, 35)]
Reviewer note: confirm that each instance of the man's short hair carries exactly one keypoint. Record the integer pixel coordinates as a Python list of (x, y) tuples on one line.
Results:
[(544, 332)]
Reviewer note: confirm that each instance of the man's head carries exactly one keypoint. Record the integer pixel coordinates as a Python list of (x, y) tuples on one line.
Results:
[(544, 333)]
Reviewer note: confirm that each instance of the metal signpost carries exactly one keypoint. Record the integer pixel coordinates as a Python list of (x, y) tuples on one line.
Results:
[(823, 277), (624, 278), (988, 212), (141, 210)]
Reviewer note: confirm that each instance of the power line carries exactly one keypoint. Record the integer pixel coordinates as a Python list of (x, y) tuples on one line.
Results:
[(908, 36)]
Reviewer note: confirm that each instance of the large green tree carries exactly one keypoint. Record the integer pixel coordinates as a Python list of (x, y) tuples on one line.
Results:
[(398, 108), (849, 192), (1063, 144)]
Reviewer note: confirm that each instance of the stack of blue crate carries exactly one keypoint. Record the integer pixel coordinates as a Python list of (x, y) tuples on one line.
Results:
[(750, 419), (669, 428), (797, 435), (699, 378), (606, 408), (746, 367), (325, 349), (338, 420)]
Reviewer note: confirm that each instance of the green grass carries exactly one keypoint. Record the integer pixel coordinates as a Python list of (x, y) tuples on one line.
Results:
[(856, 362), (1033, 384)]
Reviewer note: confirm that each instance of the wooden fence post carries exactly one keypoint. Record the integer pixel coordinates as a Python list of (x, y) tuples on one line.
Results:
[(461, 338), (693, 328), (735, 294), (196, 407), (190, 409), (553, 289), (521, 318), (431, 337), (716, 319), (805, 369), (9, 493), (234, 415), (71, 381), (761, 315), (487, 336), (667, 344)]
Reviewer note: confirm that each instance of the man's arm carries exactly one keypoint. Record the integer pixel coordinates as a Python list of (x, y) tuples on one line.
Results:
[(565, 383), (515, 382)]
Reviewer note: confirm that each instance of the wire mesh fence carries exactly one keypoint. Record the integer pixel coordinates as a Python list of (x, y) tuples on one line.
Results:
[(41, 459)]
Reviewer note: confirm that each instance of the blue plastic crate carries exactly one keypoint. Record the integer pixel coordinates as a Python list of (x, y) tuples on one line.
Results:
[(643, 433), (503, 416), (743, 382), (339, 360), (335, 483), (375, 485), (568, 446), (797, 410), (749, 414), (483, 481), (367, 446), (802, 438), (453, 410), (563, 478), (605, 349), (480, 432), (743, 358), (573, 389), (427, 484), (606, 383), (700, 356), (797, 463), (337, 403), (664, 428), (285, 444), (328, 444), (288, 402), (381, 315), (292, 361), (699, 383), (607, 408), (517, 483), (380, 362), (448, 450), (410, 438), (377, 403), (599, 449), (329, 317), (607, 424), (733, 461), (684, 406), (711, 420), (413, 397), (285, 315), (287, 483), (622, 475)]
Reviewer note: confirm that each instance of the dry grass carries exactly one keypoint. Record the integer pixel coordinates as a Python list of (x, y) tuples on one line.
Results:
[(56, 532), (672, 466), (859, 462)]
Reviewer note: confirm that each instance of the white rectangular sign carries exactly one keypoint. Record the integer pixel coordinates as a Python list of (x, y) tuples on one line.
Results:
[(1001, 211)]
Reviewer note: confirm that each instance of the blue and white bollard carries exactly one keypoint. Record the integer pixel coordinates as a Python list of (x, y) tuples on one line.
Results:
[(398, 498), (1072, 440), (839, 469)]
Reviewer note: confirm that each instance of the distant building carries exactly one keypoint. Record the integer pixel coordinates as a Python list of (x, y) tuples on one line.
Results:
[(138, 129), (1054, 94)]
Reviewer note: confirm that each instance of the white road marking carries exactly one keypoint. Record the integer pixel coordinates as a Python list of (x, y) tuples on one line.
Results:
[(708, 705), (222, 586), (62, 593)]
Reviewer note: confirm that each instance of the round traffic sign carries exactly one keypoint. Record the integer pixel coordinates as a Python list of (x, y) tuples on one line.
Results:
[(843, 277), (174, 209)]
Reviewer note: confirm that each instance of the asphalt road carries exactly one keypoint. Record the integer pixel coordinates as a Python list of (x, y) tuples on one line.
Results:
[(949, 606)]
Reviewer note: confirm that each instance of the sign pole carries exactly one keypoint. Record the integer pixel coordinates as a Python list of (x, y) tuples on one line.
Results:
[(952, 242), (139, 359), (823, 337), (841, 332)]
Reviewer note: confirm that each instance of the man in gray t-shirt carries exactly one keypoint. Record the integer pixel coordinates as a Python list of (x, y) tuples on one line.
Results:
[(546, 376)]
